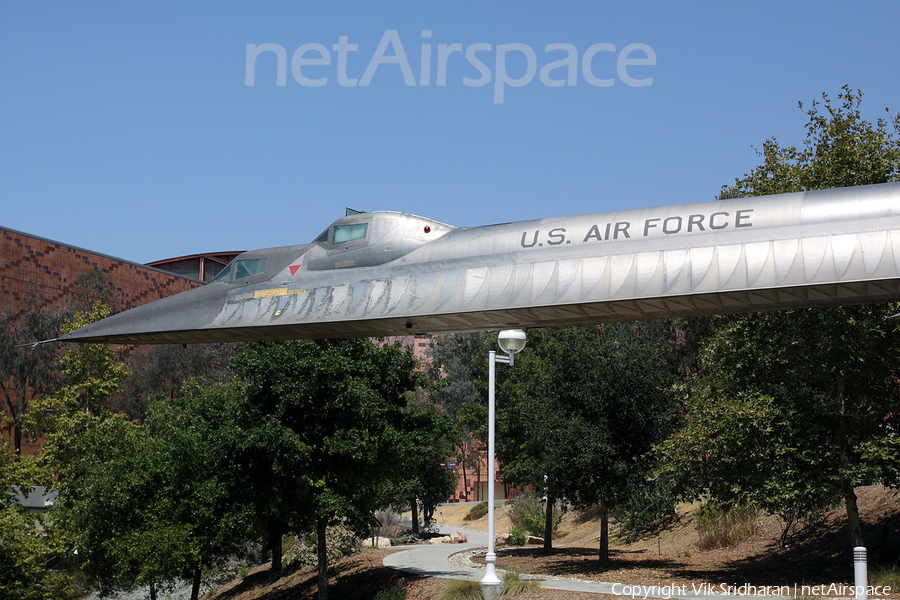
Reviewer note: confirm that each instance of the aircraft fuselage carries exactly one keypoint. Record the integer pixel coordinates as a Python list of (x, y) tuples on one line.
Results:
[(386, 273)]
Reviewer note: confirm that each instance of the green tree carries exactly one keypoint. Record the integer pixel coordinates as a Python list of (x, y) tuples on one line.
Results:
[(199, 513), (329, 424), (787, 403), (841, 149), (27, 540), (161, 370), (458, 370), (429, 439), (89, 288), (31, 372), (91, 374), (790, 403), (150, 504), (580, 410)]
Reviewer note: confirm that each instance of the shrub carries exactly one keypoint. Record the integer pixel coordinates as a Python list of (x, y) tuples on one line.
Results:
[(394, 593), (646, 511), (476, 512), (529, 513), (721, 528), (340, 542), (461, 589), (514, 584), (392, 525), (886, 576), (517, 536)]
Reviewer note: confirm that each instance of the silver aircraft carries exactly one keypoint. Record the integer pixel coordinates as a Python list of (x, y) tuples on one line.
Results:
[(389, 273)]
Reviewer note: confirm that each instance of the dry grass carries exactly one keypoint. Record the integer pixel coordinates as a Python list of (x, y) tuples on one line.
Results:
[(726, 528), (461, 589), (886, 577), (515, 585)]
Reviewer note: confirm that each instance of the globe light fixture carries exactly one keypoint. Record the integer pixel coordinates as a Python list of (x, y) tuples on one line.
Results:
[(511, 341)]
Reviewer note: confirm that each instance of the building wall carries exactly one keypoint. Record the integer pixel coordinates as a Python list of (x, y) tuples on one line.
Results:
[(29, 262), (418, 343), (474, 488)]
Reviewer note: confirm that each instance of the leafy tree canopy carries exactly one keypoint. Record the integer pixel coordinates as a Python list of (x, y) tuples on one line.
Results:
[(27, 373), (841, 149), (788, 402), (581, 408), (328, 418), (26, 539)]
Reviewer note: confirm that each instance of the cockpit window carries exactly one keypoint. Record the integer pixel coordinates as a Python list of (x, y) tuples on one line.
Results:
[(225, 275), (247, 268), (323, 239), (349, 233)]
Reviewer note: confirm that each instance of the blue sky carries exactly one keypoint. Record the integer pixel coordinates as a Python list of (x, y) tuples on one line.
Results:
[(128, 128)]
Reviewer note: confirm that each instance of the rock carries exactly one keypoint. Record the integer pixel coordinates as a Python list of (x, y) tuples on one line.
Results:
[(380, 542), (440, 540), (458, 538), (533, 539), (501, 539)]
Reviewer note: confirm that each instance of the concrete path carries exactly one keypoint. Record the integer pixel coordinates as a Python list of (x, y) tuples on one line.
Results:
[(434, 561)]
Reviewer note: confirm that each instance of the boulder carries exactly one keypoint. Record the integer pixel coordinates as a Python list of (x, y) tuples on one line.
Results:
[(440, 540), (380, 542), (533, 539), (501, 539), (458, 538)]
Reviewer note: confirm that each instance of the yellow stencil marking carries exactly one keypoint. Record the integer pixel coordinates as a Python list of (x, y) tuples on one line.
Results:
[(270, 293)]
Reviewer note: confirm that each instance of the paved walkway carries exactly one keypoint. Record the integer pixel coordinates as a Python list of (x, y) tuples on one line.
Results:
[(434, 561)]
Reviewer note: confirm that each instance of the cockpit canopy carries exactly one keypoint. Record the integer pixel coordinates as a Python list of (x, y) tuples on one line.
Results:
[(357, 240), (369, 239)]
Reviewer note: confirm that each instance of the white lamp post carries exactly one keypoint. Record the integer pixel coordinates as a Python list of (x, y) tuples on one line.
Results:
[(512, 341)]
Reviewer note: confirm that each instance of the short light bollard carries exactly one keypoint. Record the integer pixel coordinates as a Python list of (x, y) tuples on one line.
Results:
[(860, 574)]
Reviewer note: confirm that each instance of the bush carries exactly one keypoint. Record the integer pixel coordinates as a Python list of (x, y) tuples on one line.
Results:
[(476, 512), (529, 513), (461, 589), (517, 536), (886, 576), (646, 511), (340, 541), (720, 528), (394, 593), (392, 525), (514, 584)]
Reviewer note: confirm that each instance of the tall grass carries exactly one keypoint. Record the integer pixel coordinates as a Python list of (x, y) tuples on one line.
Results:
[(514, 584), (886, 576), (719, 528), (461, 589)]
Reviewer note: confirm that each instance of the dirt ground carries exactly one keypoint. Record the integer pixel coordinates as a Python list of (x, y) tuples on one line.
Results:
[(818, 554)]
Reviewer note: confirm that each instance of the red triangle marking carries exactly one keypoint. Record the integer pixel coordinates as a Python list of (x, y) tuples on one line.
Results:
[(293, 269)]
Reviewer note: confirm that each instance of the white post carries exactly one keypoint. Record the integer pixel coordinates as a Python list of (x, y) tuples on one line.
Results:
[(490, 576), (860, 575)]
